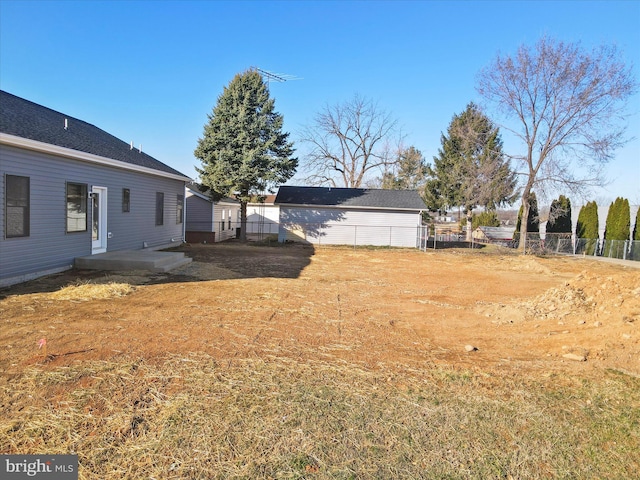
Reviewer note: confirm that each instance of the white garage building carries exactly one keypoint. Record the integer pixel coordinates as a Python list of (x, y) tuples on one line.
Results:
[(349, 216)]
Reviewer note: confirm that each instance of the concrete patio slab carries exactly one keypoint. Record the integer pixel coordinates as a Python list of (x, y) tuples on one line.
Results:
[(153, 261)]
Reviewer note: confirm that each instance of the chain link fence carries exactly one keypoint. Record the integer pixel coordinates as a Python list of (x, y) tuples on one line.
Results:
[(422, 237), (566, 243)]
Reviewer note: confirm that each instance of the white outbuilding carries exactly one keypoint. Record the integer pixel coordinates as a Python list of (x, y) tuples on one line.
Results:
[(349, 216)]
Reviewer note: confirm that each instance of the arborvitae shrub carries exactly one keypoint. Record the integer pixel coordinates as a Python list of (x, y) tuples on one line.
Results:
[(560, 216), (533, 221), (617, 227), (587, 227), (635, 248)]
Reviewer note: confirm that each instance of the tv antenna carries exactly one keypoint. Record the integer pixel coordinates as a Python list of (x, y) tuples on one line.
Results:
[(276, 77)]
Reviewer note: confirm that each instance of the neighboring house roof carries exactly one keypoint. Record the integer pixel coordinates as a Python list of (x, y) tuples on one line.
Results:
[(350, 197), (27, 120), (268, 200), (497, 233)]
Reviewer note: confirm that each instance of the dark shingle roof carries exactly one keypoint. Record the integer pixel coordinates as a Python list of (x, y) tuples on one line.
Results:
[(25, 119), (350, 197)]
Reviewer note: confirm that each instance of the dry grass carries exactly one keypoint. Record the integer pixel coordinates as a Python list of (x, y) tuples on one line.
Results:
[(90, 290), (194, 417), (323, 372)]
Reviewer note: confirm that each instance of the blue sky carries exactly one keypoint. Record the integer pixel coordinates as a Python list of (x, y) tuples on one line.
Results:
[(151, 71)]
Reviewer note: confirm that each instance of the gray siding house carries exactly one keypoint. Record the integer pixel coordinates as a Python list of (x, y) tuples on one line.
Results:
[(69, 189), (209, 221), (349, 216)]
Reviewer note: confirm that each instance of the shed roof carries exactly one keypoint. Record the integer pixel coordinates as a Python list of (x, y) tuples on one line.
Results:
[(497, 233), (25, 119), (350, 197)]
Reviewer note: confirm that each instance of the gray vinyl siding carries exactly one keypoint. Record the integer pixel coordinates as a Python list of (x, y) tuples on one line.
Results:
[(199, 214), (49, 247), (336, 226)]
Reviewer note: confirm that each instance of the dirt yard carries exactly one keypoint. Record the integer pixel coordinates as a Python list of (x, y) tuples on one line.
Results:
[(378, 308)]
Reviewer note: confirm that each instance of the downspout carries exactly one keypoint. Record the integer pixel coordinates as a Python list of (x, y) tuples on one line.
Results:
[(184, 214)]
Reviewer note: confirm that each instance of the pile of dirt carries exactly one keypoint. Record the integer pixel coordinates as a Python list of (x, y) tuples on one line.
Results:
[(589, 297)]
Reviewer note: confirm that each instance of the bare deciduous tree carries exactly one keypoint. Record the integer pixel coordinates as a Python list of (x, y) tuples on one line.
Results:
[(568, 106), (349, 142)]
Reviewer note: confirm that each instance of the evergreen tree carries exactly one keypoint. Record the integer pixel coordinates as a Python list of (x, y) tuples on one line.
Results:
[(635, 247), (587, 226), (488, 218), (617, 226), (243, 149), (411, 171), (560, 216), (533, 220), (470, 169)]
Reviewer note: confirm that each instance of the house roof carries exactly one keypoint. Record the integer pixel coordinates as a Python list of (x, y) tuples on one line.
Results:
[(350, 197), (498, 233), (28, 120), (193, 189), (268, 200)]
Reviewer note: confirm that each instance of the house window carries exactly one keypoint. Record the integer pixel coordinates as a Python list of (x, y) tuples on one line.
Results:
[(76, 207), (17, 203), (179, 208), (126, 200), (229, 219), (222, 222), (159, 208)]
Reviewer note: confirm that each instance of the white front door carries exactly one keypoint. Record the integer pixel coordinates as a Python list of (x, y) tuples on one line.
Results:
[(98, 220)]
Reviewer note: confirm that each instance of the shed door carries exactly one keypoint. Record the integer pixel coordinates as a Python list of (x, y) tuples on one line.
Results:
[(98, 220)]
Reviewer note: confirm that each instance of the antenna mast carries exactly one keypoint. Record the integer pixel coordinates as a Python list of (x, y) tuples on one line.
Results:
[(275, 77)]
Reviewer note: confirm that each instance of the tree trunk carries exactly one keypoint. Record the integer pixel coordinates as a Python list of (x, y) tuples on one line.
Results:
[(524, 221), (469, 225), (243, 221)]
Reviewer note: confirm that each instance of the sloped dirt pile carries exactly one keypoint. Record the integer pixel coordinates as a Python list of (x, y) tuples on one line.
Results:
[(591, 297)]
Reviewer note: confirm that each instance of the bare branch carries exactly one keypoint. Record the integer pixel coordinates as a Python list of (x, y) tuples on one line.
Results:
[(568, 106), (349, 143)]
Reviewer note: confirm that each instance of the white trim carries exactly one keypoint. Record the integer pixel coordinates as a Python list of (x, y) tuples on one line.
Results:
[(37, 146), (100, 245)]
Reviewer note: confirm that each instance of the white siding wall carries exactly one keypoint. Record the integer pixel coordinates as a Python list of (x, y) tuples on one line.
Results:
[(262, 218), (221, 211), (333, 226)]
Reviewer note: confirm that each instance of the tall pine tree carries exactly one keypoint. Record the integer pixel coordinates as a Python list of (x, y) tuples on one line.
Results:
[(243, 149), (470, 169)]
